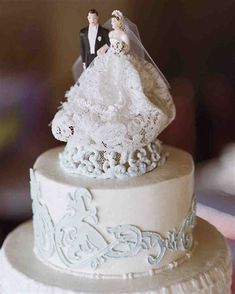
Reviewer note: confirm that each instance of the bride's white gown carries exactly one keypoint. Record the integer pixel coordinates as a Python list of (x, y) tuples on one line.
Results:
[(120, 103)]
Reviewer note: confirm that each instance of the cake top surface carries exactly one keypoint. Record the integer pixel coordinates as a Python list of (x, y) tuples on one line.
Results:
[(178, 164)]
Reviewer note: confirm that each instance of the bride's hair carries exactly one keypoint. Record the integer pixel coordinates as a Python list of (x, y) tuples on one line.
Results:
[(119, 17)]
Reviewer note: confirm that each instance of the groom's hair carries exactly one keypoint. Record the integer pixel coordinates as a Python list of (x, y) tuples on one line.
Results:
[(92, 11)]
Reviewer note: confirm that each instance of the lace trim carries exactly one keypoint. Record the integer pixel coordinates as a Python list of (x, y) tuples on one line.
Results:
[(118, 47)]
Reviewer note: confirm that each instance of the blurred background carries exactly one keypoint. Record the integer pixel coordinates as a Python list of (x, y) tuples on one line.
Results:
[(193, 43)]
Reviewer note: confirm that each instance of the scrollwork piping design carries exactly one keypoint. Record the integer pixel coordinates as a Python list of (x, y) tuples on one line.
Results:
[(110, 164), (43, 224), (78, 243)]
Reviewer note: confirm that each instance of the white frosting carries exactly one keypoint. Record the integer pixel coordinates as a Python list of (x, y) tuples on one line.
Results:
[(155, 202), (208, 271)]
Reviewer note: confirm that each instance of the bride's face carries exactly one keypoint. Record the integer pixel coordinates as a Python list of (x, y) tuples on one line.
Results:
[(114, 23)]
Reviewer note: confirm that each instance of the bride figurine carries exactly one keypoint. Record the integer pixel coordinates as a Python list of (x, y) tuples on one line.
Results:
[(115, 112)]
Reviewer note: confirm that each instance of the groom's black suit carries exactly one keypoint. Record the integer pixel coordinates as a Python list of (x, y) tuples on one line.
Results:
[(102, 38)]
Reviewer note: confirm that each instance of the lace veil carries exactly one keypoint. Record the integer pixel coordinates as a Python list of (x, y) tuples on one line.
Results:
[(136, 47)]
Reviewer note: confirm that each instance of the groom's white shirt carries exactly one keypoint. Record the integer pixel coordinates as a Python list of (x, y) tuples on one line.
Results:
[(92, 33)]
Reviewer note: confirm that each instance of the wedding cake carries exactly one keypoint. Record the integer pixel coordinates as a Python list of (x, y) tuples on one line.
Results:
[(114, 211)]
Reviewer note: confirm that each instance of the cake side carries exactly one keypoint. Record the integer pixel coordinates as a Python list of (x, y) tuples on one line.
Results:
[(208, 271), (114, 228)]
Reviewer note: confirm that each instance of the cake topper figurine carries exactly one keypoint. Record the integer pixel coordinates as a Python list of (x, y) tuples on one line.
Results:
[(114, 114), (93, 38)]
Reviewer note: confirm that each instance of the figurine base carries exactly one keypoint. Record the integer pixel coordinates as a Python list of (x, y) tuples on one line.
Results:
[(110, 165)]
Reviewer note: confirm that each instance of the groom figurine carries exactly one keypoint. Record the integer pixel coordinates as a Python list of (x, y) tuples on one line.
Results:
[(94, 39)]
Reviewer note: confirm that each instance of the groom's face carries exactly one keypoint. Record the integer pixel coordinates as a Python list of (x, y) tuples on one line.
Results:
[(93, 19)]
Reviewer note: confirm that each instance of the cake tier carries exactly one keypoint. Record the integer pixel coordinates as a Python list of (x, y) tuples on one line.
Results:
[(113, 228), (208, 271)]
